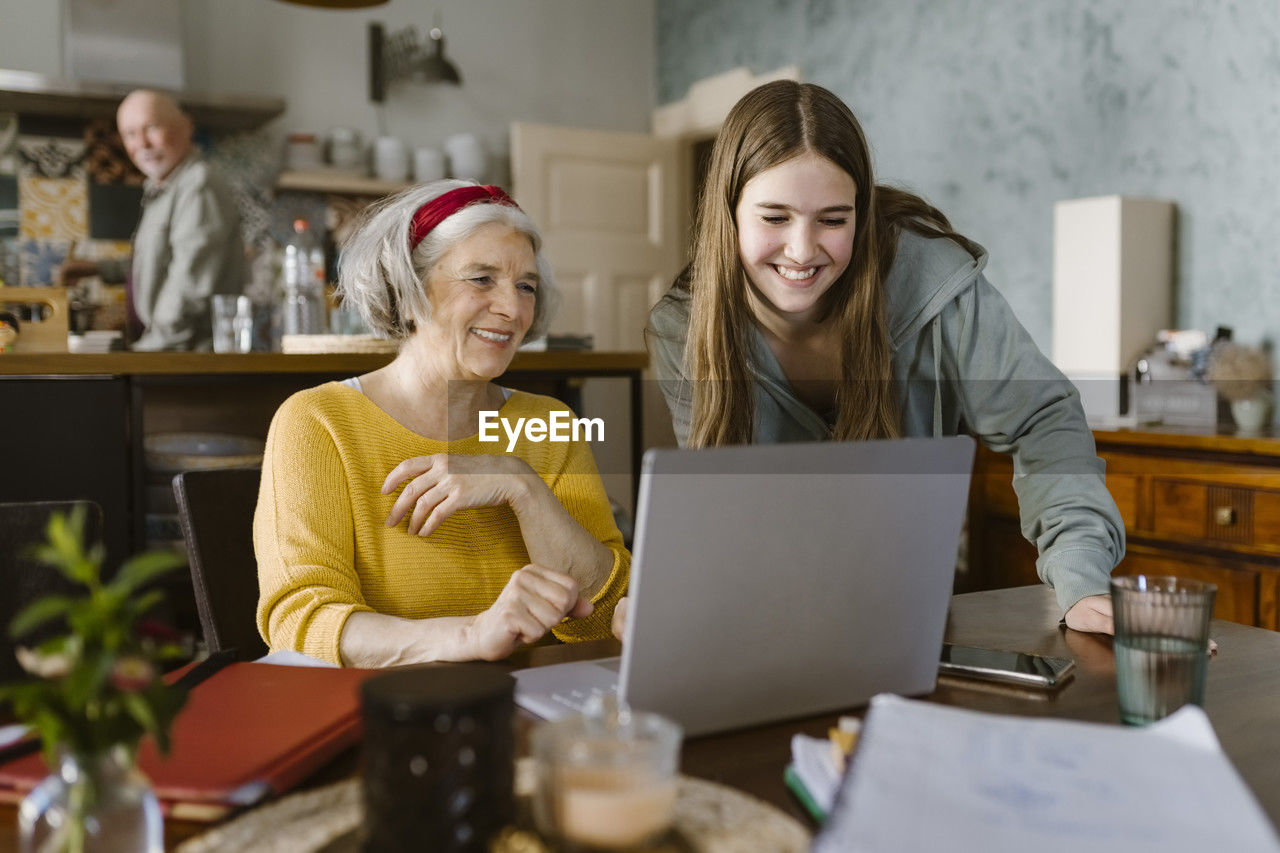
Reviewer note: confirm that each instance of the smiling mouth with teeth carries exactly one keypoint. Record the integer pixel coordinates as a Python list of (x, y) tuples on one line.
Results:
[(496, 337), (796, 275)]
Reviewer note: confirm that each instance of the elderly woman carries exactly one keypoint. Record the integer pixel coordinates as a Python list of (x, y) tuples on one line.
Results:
[(386, 531)]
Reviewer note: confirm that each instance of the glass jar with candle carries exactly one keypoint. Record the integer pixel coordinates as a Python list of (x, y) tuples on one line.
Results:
[(606, 781)]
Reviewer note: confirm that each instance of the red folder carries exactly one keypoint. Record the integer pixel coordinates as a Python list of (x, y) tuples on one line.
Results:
[(249, 731)]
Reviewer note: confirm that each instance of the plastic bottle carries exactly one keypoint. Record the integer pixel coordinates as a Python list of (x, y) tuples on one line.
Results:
[(304, 274)]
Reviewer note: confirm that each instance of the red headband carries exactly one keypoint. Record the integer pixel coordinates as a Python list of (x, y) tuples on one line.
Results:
[(443, 206)]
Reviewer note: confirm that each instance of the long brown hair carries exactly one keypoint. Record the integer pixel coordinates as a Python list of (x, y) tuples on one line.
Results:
[(771, 125)]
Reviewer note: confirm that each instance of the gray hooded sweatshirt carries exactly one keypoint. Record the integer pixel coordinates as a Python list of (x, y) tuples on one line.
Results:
[(963, 363)]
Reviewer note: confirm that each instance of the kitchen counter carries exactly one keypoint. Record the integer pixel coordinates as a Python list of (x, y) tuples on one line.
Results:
[(582, 363), (74, 424), (1188, 439)]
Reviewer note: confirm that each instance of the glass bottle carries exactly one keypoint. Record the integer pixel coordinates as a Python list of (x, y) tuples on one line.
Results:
[(304, 274), (92, 804)]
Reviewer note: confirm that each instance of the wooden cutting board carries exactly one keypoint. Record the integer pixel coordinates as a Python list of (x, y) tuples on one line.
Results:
[(47, 335)]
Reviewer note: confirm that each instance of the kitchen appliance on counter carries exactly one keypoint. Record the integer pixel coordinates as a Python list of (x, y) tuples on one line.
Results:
[(1165, 388)]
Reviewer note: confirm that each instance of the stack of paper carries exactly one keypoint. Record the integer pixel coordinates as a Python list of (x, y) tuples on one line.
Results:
[(929, 777), (812, 775)]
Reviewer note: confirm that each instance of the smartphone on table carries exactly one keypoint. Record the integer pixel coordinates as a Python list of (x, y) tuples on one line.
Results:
[(1038, 671)]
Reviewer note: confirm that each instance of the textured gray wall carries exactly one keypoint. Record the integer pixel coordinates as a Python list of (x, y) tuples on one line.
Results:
[(995, 109)]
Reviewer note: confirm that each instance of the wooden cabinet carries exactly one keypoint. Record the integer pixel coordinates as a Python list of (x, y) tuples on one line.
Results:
[(1197, 506)]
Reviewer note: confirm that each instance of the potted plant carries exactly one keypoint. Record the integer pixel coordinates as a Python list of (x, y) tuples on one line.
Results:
[(1242, 375), (94, 692)]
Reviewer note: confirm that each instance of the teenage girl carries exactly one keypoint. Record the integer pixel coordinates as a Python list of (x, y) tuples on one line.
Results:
[(819, 306)]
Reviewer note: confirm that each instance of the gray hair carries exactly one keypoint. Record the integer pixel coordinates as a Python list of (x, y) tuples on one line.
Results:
[(384, 281)]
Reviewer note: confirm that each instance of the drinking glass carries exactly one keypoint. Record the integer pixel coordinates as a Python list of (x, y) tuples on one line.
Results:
[(606, 781), (224, 322), (1162, 639)]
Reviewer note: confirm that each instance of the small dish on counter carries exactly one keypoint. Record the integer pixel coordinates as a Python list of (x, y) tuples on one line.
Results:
[(187, 451)]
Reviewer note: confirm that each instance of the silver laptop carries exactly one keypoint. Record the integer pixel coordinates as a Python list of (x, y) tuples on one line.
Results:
[(778, 581)]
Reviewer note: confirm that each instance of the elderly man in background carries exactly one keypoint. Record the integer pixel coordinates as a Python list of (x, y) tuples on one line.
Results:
[(187, 246)]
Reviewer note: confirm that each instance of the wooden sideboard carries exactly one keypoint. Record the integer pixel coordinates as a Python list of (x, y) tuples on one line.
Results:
[(1194, 505)]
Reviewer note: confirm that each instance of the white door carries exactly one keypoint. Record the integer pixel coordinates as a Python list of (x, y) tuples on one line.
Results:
[(606, 205), (609, 206)]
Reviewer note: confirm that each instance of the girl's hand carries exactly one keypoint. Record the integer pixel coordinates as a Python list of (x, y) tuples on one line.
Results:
[(534, 601), (439, 485), (1091, 613)]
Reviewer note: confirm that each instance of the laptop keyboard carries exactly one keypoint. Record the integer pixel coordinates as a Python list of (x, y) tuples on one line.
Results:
[(560, 690), (576, 701)]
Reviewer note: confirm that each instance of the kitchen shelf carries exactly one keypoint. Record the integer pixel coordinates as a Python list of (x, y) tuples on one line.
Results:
[(27, 93), (338, 182)]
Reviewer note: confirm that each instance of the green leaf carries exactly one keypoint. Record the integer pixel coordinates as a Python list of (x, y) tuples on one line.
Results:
[(140, 710), (141, 568), (37, 613), (64, 550), (143, 603)]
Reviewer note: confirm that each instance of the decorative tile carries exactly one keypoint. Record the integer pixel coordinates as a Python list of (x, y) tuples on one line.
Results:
[(53, 208), (10, 260), (8, 192), (40, 260), (249, 161), (105, 159), (8, 143), (10, 272), (114, 210), (51, 157)]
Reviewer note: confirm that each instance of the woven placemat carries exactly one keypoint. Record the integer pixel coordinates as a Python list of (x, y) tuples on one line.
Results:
[(710, 818)]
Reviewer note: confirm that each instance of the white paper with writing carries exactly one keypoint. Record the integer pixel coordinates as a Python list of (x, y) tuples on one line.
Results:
[(930, 777)]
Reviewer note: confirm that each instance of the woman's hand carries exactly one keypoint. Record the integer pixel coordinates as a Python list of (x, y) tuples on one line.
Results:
[(443, 483), (1091, 613), (534, 601)]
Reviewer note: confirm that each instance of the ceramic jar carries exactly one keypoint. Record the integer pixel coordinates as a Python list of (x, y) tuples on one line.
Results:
[(346, 149), (391, 159), (428, 164), (468, 159)]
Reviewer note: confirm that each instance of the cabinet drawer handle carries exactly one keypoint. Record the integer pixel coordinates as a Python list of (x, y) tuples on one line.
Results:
[(1224, 516)]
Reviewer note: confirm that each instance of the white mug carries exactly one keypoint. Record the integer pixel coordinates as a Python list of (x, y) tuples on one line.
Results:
[(391, 159), (428, 164), (467, 157)]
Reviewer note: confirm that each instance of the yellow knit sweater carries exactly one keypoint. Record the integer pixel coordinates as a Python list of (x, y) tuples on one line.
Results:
[(324, 551)]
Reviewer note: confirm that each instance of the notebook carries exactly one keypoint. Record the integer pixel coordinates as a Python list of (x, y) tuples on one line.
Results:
[(777, 581)]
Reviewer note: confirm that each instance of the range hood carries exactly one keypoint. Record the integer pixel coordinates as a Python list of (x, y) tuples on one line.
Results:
[(110, 48), (28, 93)]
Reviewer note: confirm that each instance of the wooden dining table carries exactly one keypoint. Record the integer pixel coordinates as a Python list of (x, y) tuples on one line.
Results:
[(1242, 698)]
